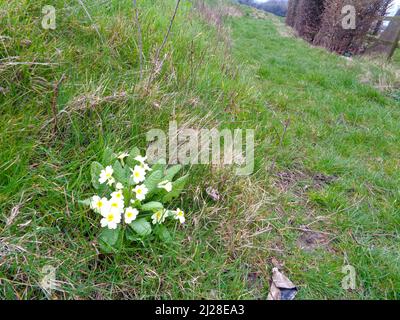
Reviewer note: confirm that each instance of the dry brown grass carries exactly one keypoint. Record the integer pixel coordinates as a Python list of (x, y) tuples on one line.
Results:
[(381, 74), (240, 221), (281, 28), (93, 100), (88, 101), (215, 16)]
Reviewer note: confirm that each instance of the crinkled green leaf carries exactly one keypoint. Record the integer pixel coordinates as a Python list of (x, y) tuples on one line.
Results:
[(108, 156), (109, 240), (161, 164), (130, 160), (95, 170), (141, 226), (120, 173), (154, 178), (162, 232), (132, 235), (171, 172), (152, 206), (177, 188)]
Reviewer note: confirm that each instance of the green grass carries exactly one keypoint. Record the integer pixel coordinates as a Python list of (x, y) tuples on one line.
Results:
[(245, 75)]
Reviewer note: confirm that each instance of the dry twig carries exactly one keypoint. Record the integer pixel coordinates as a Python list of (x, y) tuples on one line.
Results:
[(54, 102), (157, 64), (139, 37)]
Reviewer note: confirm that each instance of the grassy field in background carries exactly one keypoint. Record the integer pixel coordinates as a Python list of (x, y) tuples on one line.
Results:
[(324, 193)]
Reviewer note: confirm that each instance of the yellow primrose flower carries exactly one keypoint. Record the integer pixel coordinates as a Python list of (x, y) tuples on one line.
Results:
[(180, 215), (98, 203), (117, 195), (111, 218), (140, 192), (159, 216), (130, 214), (106, 175), (138, 174), (116, 205), (165, 185)]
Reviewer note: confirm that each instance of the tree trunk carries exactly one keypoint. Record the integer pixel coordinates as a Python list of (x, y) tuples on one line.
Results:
[(291, 13), (334, 37), (382, 13), (321, 22), (308, 18), (388, 41)]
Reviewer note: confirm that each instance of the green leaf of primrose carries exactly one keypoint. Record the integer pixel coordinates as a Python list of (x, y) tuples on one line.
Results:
[(110, 236), (152, 206), (132, 235), (109, 239), (127, 194), (141, 226), (153, 180), (130, 160), (171, 172), (177, 188), (119, 172), (108, 156), (161, 164), (128, 173), (162, 232), (95, 170)]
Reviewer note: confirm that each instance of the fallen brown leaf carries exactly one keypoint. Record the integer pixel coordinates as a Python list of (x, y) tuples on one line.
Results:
[(281, 287)]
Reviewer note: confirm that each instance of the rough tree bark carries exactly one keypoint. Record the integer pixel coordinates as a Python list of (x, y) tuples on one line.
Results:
[(382, 13), (389, 39), (320, 22), (291, 13), (334, 37), (308, 18)]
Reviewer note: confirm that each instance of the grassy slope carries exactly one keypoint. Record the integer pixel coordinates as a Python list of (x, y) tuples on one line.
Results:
[(338, 126)]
